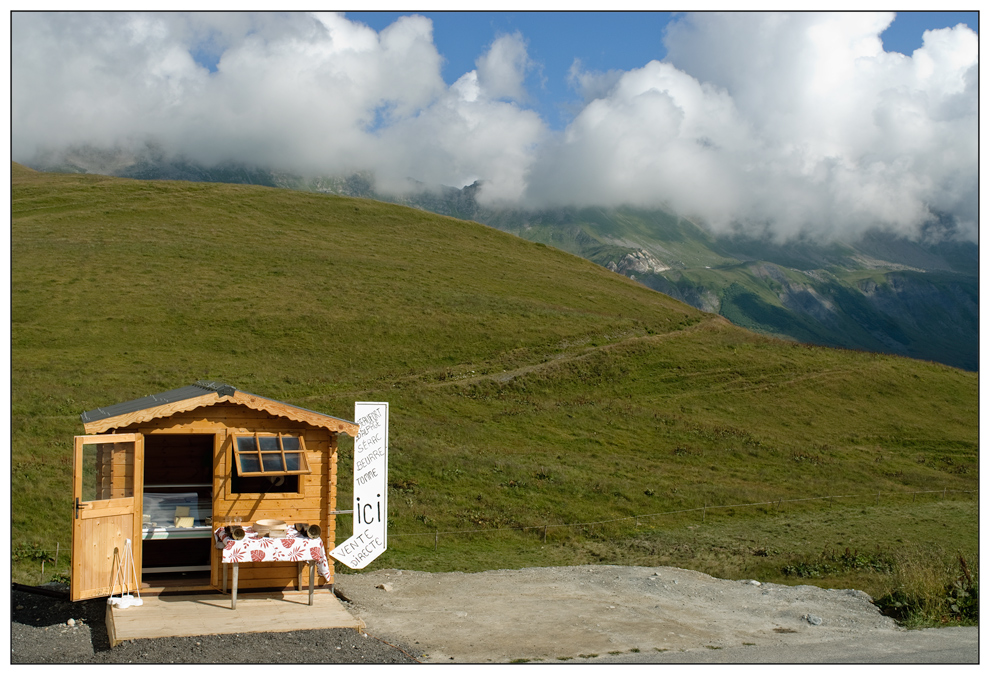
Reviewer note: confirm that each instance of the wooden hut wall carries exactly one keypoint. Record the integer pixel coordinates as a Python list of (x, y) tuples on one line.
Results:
[(313, 503), (114, 471)]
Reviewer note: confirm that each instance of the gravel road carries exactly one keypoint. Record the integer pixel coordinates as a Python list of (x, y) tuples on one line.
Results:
[(582, 614)]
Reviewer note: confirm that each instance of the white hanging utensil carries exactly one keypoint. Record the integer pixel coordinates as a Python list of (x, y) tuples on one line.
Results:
[(126, 564)]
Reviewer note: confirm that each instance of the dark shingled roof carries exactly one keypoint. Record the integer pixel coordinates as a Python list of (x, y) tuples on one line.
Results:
[(201, 388)]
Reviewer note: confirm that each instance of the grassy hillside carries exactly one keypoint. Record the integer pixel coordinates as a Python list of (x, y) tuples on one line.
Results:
[(883, 293), (528, 387)]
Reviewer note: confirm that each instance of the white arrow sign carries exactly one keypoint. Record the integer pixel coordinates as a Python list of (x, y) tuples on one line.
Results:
[(370, 488)]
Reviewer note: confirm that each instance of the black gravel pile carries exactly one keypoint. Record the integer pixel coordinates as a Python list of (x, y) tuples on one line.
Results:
[(46, 628)]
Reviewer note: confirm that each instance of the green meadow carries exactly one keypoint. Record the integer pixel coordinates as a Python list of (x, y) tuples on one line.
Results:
[(532, 393)]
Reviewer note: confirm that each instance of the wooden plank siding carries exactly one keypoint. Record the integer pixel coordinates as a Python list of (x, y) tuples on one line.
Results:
[(314, 502), (114, 470)]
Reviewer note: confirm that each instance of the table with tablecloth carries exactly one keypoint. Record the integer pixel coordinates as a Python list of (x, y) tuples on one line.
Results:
[(253, 548)]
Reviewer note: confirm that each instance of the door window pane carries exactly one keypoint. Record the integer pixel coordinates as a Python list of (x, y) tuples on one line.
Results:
[(108, 471)]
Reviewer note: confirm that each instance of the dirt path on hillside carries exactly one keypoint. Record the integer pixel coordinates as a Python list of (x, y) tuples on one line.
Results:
[(556, 359), (562, 613)]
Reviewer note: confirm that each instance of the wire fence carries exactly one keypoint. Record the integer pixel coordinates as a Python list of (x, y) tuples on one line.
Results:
[(45, 555)]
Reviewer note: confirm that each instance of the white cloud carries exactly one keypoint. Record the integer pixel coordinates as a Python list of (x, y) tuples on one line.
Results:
[(502, 69), (591, 84), (311, 93), (464, 136), (799, 123)]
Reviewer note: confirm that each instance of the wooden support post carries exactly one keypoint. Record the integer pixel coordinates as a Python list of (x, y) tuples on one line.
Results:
[(545, 533), (111, 627), (233, 588), (436, 540), (312, 579), (704, 512)]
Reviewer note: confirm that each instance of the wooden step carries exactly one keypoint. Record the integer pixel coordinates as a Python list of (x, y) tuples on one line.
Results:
[(210, 614)]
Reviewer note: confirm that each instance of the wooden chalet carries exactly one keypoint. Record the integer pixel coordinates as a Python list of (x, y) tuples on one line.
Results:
[(165, 470)]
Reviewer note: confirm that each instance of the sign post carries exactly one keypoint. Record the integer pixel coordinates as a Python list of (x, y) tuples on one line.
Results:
[(369, 539)]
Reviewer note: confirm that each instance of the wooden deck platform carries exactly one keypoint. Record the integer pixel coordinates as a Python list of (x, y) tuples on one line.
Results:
[(210, 614)]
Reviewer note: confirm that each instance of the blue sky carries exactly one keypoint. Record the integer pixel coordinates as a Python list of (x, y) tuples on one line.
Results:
[(601, 40), (822, 124)]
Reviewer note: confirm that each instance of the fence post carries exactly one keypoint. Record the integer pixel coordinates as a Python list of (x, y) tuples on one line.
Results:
[(704, 512), (943, 493), (436, 539), (545, 533)]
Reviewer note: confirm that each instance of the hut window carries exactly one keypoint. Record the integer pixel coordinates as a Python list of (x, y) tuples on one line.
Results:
[(270, 455)]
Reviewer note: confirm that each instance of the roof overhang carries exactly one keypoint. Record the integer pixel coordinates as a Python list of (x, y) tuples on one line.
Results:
[(200, 395)]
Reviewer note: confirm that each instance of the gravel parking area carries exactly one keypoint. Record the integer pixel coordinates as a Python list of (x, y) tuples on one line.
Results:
[(583, 614), (47, 628)]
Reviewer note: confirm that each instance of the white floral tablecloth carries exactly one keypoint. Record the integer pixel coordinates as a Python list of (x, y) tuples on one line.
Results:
[(292, 548)]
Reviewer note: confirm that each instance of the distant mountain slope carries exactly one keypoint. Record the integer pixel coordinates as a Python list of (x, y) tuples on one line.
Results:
[(884, 293)]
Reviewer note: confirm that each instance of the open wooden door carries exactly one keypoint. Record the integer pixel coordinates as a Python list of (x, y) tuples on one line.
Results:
[(107, 488)]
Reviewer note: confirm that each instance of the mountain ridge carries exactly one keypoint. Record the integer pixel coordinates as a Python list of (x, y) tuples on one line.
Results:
[(866, 295)]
